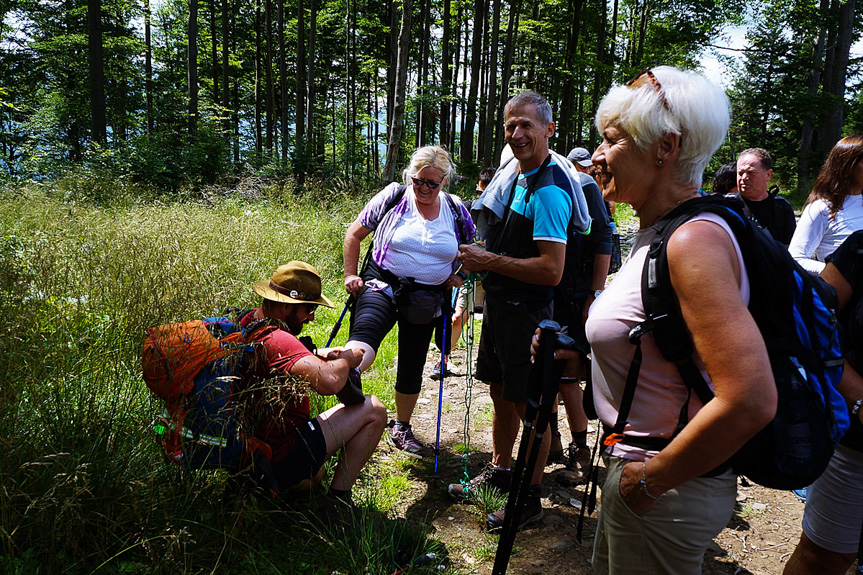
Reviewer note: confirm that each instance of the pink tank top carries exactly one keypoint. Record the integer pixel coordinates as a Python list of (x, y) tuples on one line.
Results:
[(661, 391)]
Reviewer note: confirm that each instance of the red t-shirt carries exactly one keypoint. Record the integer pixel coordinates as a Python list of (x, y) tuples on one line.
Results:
[(279, 415)]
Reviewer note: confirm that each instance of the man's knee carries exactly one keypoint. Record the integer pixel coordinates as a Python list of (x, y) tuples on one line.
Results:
[(809, 557), (377, 410)]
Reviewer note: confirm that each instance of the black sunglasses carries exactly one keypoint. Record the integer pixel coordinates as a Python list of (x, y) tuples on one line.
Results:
[(429, 184), (310, 307)]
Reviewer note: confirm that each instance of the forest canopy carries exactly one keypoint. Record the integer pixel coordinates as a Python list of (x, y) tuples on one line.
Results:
[(178, 93)]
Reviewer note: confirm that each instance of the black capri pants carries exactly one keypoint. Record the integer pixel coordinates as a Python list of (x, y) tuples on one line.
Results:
[(374, 315)]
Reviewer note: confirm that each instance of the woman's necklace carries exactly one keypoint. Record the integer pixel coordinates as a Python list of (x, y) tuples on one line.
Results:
[(668, 209)]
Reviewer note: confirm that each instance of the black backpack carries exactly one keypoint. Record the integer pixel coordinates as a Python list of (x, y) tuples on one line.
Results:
[(795, 312)]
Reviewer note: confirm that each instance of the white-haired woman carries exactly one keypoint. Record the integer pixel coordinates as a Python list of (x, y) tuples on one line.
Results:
[(418, 229), (662, 507)]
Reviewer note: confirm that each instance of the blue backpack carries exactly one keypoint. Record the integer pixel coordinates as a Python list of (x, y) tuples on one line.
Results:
[(194, 367), (795, 312)]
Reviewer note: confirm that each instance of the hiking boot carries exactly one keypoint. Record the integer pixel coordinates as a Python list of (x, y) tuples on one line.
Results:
[(435, 374), (405, 441), (578, 466), (530, 515), (492, 476), (336, 512), (555, 452)]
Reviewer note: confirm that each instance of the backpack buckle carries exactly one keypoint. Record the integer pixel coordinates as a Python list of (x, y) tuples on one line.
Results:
[(636, 333), (613, 439)]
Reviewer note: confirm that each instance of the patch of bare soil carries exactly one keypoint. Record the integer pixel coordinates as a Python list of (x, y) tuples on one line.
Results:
[(758, 540)]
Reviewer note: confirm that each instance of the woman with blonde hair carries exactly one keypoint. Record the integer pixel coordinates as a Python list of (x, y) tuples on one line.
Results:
[(834, 209), (418, 228)]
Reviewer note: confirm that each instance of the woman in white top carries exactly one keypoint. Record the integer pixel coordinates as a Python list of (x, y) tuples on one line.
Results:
[(418, 228), (834, 209)]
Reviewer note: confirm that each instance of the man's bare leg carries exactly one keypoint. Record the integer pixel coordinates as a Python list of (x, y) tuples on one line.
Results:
[(358, 429)]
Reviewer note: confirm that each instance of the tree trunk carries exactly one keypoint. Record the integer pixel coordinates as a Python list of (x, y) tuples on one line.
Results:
[(835, 78), (98, 124), (300, 109), (446, 76), (642, 32), (391, 44), (489, 157), (214, 54), (226, 39), (482, 132), (804, 173), (193, 66), (268, 73), (148, 67), (310, 68), (511, 35), (258, 139), (397, 125), (422, 89), (283, 81)]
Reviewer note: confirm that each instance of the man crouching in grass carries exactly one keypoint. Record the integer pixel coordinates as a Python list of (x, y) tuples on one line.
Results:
[(300, 445)]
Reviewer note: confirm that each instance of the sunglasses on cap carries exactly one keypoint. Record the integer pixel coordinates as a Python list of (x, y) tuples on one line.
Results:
[(419, 182)]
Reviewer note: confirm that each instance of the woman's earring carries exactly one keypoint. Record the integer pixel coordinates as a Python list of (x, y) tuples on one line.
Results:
[(659, 162)]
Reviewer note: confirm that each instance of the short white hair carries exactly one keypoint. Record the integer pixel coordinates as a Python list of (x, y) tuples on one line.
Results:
[(698, 111)]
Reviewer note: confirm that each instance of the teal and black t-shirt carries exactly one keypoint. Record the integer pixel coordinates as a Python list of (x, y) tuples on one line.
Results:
[(539, 210)]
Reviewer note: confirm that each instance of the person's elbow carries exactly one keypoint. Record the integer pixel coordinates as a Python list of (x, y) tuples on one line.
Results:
[(330, 381), (758, 407)]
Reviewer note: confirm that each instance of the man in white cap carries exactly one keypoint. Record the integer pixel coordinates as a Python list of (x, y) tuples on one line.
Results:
[(301, 444)]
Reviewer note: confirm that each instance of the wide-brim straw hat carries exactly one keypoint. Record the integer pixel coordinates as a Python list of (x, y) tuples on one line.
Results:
[(294, 282)]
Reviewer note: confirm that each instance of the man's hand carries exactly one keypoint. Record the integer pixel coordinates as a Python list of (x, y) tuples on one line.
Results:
[(353, 356), (454, 281), (474, 258)]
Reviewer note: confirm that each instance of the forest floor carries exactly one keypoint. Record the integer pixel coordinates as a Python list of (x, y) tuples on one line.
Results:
[(758, 539)]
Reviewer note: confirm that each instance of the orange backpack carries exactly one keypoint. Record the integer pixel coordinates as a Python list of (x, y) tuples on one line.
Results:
[(194, 367)]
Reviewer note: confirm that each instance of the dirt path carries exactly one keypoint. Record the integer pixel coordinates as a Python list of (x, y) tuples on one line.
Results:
[(758, 540)]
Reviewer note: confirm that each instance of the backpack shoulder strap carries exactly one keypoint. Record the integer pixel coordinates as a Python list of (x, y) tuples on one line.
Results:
[(400, 193), (461, 225)]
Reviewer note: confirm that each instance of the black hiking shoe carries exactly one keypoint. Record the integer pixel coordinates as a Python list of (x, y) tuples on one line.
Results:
[(577, 467), (491, 475), (555, 452), (336, 512), (531, 515)]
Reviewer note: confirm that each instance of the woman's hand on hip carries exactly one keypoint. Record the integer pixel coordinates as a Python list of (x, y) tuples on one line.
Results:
[(632, 491), (353, 284)]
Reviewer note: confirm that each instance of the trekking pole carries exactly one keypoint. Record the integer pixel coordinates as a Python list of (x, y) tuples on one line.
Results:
[(444, 343), (338, 324), (542, 391)]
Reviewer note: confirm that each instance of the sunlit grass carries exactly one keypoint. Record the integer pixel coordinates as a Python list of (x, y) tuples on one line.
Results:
[(84, 484)]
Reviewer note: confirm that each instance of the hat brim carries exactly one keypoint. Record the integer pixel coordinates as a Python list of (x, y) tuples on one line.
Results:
[(585, 163), (263, 289)]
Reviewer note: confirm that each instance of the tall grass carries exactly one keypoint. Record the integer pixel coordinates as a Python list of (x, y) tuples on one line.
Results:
[(83, 487)]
